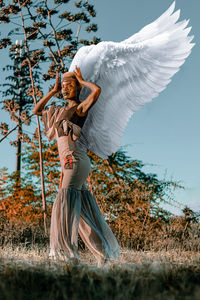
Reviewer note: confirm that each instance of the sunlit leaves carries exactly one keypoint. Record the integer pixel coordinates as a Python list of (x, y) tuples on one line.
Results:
[(5, 42), (48, 43), (39, 25), (64, 34), (90, 9), (95, 40), (92, 27), (3, 128), (43, 12)]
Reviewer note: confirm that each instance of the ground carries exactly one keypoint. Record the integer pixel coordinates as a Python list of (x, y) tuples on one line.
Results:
[(167, 275)]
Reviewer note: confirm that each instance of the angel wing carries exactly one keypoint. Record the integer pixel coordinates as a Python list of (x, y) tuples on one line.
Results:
[(130, 74)]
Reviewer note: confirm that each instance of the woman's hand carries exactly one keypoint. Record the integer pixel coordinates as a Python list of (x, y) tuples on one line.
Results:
[(41, 104), (57, 87), (79, 77), (82, 109), (85, 105)]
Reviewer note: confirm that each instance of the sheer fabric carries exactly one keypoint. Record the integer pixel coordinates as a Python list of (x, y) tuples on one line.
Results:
[(74, 212)]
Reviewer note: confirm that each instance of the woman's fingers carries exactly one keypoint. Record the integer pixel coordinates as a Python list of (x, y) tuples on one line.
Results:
[(75, 74), (58, 82), (78, 70), (78, 74)]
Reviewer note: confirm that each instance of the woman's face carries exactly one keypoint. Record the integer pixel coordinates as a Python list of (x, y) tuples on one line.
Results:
[(69, 88)]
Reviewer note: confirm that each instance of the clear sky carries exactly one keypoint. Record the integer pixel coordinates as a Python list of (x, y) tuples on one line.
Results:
[(165, 132)]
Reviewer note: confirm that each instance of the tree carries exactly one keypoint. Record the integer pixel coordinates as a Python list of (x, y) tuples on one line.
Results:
[(47, 31), (20, 100)]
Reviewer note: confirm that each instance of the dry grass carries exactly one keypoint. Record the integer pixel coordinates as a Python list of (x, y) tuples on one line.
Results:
[(29, 274)]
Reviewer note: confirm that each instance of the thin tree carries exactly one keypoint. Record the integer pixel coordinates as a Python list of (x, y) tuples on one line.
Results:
[(19, 102), (51, 27)]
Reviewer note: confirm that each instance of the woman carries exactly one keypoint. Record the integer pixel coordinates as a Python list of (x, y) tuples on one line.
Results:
[(75, 209)]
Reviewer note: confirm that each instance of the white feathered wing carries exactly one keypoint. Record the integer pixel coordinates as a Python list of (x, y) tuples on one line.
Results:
[(130, 74)]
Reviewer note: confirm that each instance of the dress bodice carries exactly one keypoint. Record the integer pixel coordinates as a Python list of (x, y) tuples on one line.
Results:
[(63, 124)]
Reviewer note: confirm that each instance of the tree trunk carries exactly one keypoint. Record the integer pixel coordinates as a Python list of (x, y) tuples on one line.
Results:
[(38, 122), (18, 152)]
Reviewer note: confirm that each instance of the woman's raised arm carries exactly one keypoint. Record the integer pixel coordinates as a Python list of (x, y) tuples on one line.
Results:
[(41, 104), (91, 99)]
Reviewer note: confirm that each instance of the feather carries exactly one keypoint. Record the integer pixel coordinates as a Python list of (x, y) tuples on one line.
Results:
[(130, 73)]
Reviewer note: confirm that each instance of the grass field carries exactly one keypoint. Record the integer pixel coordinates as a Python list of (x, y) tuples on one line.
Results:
[(29, 274)]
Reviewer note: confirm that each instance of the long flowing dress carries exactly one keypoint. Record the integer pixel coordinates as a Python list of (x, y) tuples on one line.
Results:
[(75, 209)]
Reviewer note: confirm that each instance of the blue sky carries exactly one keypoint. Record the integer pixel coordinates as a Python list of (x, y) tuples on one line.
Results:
[(165, 132)]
